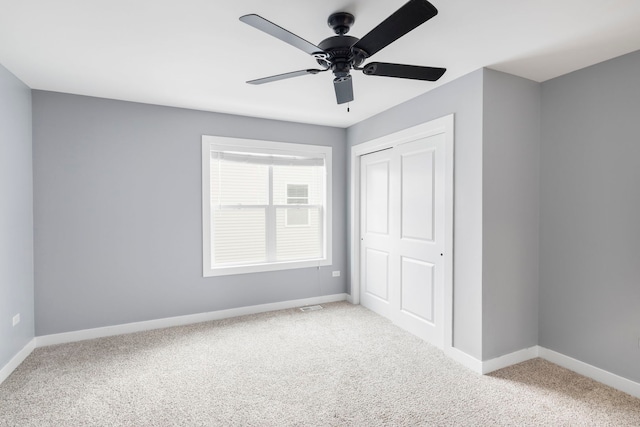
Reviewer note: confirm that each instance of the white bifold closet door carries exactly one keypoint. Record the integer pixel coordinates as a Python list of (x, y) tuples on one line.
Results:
[(402, 235)]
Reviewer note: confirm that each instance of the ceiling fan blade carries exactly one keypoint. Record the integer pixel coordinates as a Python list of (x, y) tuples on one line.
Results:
[(344, 89), (284, 76), (403, 71), (403, 20), (278, 32)]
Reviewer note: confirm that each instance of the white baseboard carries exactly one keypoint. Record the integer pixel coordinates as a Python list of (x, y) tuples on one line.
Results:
[(582, 368), (464, 359), (87, 334), (510, 359), (600, 375), (484, 367), (17, 360)]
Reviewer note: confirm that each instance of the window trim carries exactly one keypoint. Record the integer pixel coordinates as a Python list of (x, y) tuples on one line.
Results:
[(266, 147)]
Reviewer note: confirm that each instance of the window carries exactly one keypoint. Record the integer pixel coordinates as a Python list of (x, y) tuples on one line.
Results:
[(297, 194), (266, 205)]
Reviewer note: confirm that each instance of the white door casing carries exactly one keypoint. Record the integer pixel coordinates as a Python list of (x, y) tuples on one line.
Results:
[(402, 228)]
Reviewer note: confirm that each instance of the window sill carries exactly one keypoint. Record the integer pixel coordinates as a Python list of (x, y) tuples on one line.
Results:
[(259, 268)]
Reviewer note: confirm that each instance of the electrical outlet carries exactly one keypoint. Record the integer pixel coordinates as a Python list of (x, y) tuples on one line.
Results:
[(16, 319), (336, 274)]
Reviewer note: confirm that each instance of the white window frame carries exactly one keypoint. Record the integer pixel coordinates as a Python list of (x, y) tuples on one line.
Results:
[(210, 142)]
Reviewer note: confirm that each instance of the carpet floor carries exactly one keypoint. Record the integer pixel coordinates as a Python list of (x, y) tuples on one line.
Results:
[(339, 366)]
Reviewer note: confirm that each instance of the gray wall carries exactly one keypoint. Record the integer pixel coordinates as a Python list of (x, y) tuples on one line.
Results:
[(463, 97), (16, 216), (510, 189), (590, 213), (117, 189)]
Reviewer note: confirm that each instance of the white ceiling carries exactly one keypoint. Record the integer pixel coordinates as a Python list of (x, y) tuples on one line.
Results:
[(197, 54)]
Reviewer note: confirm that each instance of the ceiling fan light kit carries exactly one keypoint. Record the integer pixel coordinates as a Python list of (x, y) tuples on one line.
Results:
[(342, 53)]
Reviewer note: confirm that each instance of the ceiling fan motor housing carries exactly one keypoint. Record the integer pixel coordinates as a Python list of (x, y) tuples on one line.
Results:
[(341, 55)]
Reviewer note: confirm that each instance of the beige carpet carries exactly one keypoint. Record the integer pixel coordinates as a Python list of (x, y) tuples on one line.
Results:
[(339, 366)]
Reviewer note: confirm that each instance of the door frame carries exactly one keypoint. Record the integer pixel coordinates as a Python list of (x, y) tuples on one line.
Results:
[(434, 127)]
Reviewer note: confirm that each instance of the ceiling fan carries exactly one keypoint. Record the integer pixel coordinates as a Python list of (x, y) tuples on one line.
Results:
[(340, 54)]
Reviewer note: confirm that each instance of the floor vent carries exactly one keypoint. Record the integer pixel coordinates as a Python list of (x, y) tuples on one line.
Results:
[(311, 308)]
